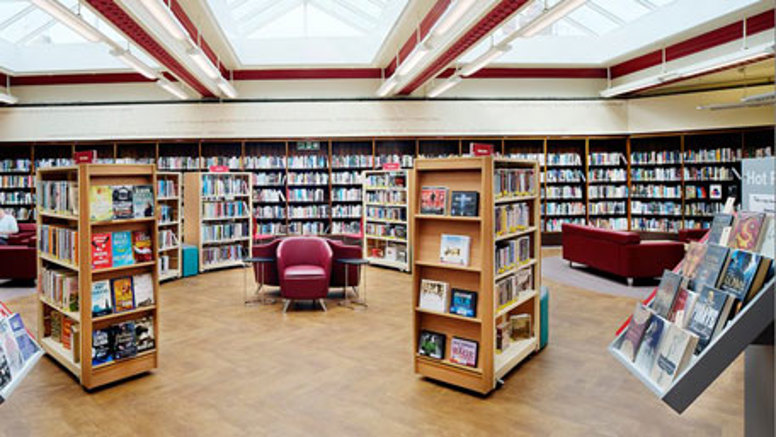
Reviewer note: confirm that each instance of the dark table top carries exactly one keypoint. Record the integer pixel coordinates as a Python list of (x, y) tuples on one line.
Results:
[(353, 261), (259, 259)]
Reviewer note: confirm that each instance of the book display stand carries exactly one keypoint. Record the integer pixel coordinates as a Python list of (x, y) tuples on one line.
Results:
[(169, 198), (475, 348), (387, 235), (71, 269)]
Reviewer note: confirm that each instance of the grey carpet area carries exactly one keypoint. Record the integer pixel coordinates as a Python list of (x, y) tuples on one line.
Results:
[(11, 289), (557, 269)]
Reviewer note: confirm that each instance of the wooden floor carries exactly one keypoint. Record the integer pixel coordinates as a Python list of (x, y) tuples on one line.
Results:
[(230, 369)]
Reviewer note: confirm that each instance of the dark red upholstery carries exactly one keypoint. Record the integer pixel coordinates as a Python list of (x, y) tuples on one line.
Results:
[(342, 251), (268, 250), (687, 235), (620, 253), (304, 267), (18, 260)]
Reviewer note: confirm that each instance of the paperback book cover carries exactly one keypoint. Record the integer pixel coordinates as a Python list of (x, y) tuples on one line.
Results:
[(102, 251), (521, 327), (683, 303), (463, 352), (675, 351), (647, 354), (143, 286), (27, 347), (744, 274), (433, 295), (433, 200), (632, 337), (746, 231), (101, 346), (102, 303), (122, 202), (122, 248), (124, 341), (12, 351), (144, 334), (454, 249), (463, 303), (709, 271), (709, 315), (143, 201), (666, 292), (464, 203), (141, 246), (692, 259), (100, 203), (768, 246), (432, 344), (123, 299), (718, 224), (5, 369)]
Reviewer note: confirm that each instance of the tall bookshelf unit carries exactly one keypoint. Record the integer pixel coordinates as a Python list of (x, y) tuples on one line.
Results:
[(480, 275), (16, 182), (267, 162), (349, 159), (218, 217), (565, 198), (75, 222), (656, 180), (387, 213), (309, 192), (607, 183), (168, 195)]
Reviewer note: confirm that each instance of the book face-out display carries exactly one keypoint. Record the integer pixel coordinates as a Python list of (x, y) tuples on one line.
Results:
[(432, 344)]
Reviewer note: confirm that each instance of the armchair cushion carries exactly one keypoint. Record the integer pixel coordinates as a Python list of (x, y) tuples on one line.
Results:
[(304, 271)]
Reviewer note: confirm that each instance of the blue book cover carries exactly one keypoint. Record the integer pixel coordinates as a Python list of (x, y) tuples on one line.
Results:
[(26, 345), (101, 299), (709, 315), (463, 303), (647, 354), (101, 346), (740, 272), (122, 249)]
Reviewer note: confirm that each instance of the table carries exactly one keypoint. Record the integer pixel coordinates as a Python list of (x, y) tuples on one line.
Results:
[(357, 262), (248, 264)]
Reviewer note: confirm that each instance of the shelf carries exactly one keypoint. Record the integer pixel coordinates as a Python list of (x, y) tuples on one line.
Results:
[(169, 248), (162, 199), (656, 164), (61, 355), (389, 221), (523, 298), (440, 265), (375, 188), (50, 258), (123, 313), (224, 197), (711, 181), (307, 185), (658, 214), (403, 205), (449, 218), (235, 263), (169, 274), (346, 200), (515, 234), (124, 360), (73, 315), (448, 315), (308, 219), (514, 269), (705, 163), (652, 181), (513, 355), (51, 214), (579, 182), (447, 363), (231, 240), (218, 219), (127, 267), (609, 182), (511, 199), (123, 221), (354, 218), (377, 237), (388, 263)]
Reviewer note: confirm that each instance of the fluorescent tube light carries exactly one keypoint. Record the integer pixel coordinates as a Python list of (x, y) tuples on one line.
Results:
[(452, 16), (204, 64), (491, 55), (172, 88), (387, 86), (8, 98), (165, 17), (70, 19), (444, 86), (226, 88), (412, 60), (548, 18), (135, 63), (764, 97)]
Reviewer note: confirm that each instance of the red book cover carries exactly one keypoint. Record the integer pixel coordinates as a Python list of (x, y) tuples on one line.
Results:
[(746, 231), (680, 303), (219, 169), (141, 246), (433, 200), (479, 149), (67, 333), (102, 255), (85, 156)]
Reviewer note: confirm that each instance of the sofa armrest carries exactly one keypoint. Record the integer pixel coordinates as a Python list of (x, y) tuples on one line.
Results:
[(650, 258)]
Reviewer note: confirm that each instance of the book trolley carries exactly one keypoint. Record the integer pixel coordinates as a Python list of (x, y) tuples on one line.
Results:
[(386, 209), (218, 217), (70, 238), (168, 196), (481, 275)]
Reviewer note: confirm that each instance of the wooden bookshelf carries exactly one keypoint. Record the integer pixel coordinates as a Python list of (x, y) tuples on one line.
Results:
[(473, 174), (656, 183), (607, 183), (379, 187), (17, 185), (267, 161), (172, 200), (77, 358), (202, 202)]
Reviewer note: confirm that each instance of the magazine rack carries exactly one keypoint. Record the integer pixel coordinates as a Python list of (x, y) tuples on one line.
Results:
[(748, 330)]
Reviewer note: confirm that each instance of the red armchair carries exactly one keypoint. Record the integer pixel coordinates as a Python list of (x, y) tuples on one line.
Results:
[(304, 269), (18, 260), (620, 253), (338, 270), (269, 276)]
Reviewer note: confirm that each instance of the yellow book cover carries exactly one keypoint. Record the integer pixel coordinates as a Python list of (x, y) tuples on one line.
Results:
[(101, 203), (123, 300)]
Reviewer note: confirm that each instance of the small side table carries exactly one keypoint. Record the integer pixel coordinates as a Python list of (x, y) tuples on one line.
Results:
[(357, 262), (248, 264)]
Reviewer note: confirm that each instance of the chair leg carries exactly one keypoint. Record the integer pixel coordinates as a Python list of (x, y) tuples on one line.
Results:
[(323, 305), (630, 282), (286, 304)]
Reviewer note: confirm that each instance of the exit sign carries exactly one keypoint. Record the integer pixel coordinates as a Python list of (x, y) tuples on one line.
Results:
[(308, 145)]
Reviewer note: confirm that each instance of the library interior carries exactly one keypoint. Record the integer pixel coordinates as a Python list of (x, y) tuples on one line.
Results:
[(447, 217)]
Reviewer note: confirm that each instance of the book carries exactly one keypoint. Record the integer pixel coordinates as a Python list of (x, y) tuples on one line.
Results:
[(709, 315), (768, 246), (432, 344), (746, 231), (67, 333), (143, 288), (124, 341), (144, 334), (675, 351), (709, 271), (645, 358), (102, 303), (666, 292), (463, 352), (718, 224), (122, 202), (142, 250), (123, 298), (122, 248), (12, 351), (692, 259), (5, 369), (433, 295), (454, 249), (433, 200), (464, 203), (463, 303), (100, 203), (744, 274), (634, 333), (521, 327), (682, 306), (142, 201), (101, 346), (102, 251), (26, 345)]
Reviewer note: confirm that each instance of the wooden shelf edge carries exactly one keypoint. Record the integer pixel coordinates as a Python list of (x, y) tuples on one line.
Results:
[(448, 364), (525, 297), (56, 351), (50, 258), (448, 266), (448, 315), (517, 352), (116, 363), (73, 315), (124, 313), (126, 267)]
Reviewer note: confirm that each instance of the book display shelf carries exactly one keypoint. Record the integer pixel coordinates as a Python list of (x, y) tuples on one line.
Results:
[(17, 195), (267, 162), (98, 277), (348, 160), (607, 183), (387, 237), (656, 179), (169, 198), (218, 217), (309, 194), (476, 268), (565, 197)]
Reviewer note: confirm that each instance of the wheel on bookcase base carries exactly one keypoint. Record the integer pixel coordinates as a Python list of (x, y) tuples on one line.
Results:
[(630, 282), (499, 383)]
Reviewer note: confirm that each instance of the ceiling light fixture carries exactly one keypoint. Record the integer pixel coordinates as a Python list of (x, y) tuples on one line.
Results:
[(491, 55), (70, 19), (172, 88), (414, 58), (226, 88), (444, 86), (549, 17), (139, 66), (202, 61), (387, 86), (163, 14), (452, 16)]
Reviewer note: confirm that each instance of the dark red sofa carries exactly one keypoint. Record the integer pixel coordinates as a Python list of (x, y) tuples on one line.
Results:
[(620, 253), (18, 259)]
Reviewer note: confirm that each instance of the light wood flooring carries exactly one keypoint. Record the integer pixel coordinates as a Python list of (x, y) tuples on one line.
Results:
[(230, 369)]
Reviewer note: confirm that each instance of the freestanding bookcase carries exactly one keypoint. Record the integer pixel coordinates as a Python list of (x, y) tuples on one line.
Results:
[(173, 201), (386, 204), (210, 202), (473, 174), (78, 360)]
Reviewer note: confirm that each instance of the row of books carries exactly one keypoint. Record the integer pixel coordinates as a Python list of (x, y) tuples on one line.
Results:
[(714, 191), (556, 224), (307, 161), (395, 252), (701, 208), (58, 196), (404, 160), (655, 225), (351, 211), (166, 214), (511, 218), (386, 213), (656, 157), (563, 175), (510, 289), (276, 228), (538, 157), (16, 181), (16, 198), (308, 178), (722, 154), (346, 177), (123, 341), (512, 253), (63, 330), (59, 287), (463, 351), (53, 162), (225, 231), (607, 158), (60, 242), (696, 224), (116, 202), (167, 239), (385, 180), (664, 208), (135, 160), (511, 182), (223, 185), (386, 230), (656, 174), (386, 197), (563, 208), (268, 179), (309, 212), (120, 248), (125, 293), (270, 212), (264, 162), (662, 191), (608, 175), (711, 173), (352, 161), (436, 296), (610, 223), (345, 194), (563, 159), (268, 195), (232, 162), (607, 191), (222, 254), (307, 195), (562, 192), (307, 228), (15, 165), (341, 227), (225, 210), (178, 163), (166, 188), (517, 327), (600, 208)]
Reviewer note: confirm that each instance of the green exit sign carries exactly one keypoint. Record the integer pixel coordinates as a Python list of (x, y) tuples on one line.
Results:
[(308, 145)]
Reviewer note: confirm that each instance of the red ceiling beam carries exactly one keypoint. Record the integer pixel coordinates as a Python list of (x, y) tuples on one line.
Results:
[(428, 22), (116, 15), (500, 13), (534, 73), (78, 79)]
